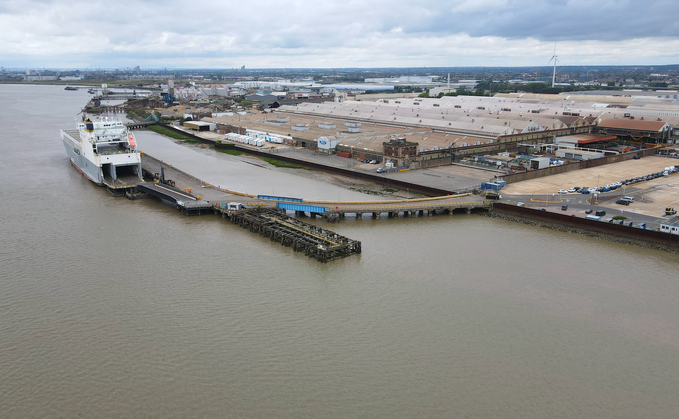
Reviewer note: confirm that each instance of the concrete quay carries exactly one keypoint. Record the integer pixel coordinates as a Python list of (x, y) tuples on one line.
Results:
[(330, 210)]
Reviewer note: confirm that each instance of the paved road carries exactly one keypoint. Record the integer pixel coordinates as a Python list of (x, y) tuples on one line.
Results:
[(424, 204)]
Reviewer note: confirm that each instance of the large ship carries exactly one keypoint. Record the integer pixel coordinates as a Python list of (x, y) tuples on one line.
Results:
[(105, 152)]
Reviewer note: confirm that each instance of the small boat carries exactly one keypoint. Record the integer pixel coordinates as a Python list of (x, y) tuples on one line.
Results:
[(70, 88)]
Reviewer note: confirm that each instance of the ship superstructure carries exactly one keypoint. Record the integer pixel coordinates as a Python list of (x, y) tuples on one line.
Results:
[(105, 151)]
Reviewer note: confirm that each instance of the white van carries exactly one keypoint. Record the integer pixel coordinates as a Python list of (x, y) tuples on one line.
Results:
[(234, 206)]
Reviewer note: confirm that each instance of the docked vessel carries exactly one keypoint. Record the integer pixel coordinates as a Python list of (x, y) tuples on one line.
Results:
[(70, 88), (105, 152)]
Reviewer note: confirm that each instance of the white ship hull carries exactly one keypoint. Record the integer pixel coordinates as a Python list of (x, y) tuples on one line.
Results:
[(88, 168), (105, 153)]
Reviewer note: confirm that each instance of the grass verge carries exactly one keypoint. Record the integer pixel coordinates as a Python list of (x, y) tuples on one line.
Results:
[(168, 132), (231, 152), (279, 163)]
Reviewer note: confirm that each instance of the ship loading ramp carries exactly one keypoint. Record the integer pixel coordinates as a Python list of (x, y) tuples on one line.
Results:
[(186, 202), (126, 180)]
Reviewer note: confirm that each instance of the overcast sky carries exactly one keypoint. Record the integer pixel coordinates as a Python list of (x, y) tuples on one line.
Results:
[(335, 34)]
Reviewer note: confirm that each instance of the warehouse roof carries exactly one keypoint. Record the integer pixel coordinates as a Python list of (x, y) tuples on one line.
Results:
[(633, 124)]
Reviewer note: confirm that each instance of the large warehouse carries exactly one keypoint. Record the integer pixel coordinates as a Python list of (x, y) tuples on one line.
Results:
[(452, 127)]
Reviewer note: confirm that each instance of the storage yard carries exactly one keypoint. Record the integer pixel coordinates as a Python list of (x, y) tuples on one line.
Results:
[(596, 176), (651, 197)]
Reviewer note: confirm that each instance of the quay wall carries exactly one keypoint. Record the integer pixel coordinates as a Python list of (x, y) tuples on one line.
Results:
[(317, 166), (618, 233), (340, 171)]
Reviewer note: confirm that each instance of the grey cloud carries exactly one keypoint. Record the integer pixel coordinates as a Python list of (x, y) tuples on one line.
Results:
[(351, 32), (604, 20)]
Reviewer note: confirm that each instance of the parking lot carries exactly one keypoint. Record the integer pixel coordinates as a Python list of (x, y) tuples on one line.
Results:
[(651, 197), (596, 176)]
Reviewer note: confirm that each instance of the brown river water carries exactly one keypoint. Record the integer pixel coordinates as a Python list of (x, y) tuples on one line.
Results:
[(118, 308)]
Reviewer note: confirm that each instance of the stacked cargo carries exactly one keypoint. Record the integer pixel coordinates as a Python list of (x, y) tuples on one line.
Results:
[(271, 138), (244, 139)]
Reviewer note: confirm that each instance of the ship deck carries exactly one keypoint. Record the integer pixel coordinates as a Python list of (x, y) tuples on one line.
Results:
[(74, 134)]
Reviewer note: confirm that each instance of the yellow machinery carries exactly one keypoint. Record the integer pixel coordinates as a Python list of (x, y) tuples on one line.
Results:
[(670, 211)]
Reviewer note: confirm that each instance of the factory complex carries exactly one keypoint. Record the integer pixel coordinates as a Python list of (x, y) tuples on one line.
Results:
[(428, 132)]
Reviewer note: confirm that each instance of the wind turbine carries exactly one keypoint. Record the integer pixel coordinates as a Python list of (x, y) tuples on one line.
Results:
[(588, 74), (554, 57)]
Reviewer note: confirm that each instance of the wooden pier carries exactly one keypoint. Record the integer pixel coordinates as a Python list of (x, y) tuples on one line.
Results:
[(316, 242)]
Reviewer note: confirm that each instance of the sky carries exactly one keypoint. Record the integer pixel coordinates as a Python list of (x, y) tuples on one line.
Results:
[(336, 34)]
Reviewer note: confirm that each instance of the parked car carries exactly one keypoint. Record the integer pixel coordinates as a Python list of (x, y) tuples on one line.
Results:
[(564, 208), (573, 190), (600, 213), (623, 202), (562, 191), (588, 211)]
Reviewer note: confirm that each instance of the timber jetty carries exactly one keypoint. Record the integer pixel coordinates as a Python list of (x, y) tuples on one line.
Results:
[(319, 243), (267, 216)]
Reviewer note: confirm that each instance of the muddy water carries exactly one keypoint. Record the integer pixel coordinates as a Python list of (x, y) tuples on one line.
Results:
[(117, 308)]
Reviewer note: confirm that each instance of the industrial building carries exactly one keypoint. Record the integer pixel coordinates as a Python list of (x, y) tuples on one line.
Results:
[(200, 125), (578, 154), (452, 128)]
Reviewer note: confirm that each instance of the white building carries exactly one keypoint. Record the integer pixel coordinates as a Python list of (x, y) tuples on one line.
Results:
[(578, 154), (325, 144)]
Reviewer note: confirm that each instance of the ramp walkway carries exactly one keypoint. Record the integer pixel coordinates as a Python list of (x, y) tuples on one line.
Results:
[(187, 203)]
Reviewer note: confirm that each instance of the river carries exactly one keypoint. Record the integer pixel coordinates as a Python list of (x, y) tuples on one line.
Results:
[(118, 308)]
